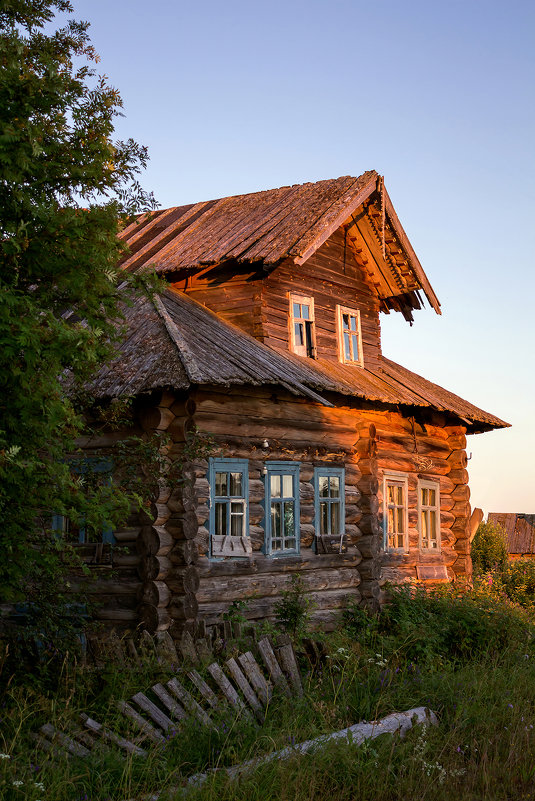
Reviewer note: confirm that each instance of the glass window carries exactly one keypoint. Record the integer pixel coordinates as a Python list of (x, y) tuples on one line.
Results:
[(93, 473), (396, 512), (349, 336), (282, 508), (302, 325), (329, 500), (429, 515), (229, 482)]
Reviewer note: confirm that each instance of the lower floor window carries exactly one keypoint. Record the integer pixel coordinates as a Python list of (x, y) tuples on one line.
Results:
[(329, 491), (282, 507), (229, 492), (94, 475), (429, 515), (396, 512)]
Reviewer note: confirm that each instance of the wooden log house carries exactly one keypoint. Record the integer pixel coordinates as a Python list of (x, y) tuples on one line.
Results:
[(328, 459), (519, 533)]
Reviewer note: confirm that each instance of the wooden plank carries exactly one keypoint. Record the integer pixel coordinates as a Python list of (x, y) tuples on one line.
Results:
[(256, 677), (244, 686), (153, 711), (165, 647), (188, 701), (273, 667), (187, 648), (203, 688), (110, 736), (147, 729), (48, 746), (172, 706), (226, 687), (288, 662), (64, 740)]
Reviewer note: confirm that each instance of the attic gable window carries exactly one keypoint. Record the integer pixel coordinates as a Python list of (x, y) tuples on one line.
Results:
[(349, 336), (302, 335)]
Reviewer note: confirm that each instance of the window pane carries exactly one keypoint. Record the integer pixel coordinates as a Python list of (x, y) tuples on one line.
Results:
[(221, 518), (297, 311), (335, 518), (236, 485), (353, 323), (323, 485), (345, 321), (275, 520), (324, 518), (390, 520), (290, 544), (287, 486), (432, 498), (399, 496), (305, 314), (221, 484), (425, 494), (236, 519), (390, 493), (299, 335), (275, 486), (399, 520), (335, 486), (355, 346), (433, 526), (347, 346), (289, 519), (425, 529)]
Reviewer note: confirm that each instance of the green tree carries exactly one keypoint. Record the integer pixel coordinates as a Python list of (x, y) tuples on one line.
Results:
[(66, 187), (489, 548)]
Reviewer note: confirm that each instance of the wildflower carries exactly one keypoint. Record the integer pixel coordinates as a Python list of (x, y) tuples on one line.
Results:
[(17, 783), (5, 756), (510, 706), (39, 785)]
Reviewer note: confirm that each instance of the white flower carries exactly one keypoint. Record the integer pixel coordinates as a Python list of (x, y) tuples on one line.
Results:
[(17, 783), (5, 756), (39, 785)]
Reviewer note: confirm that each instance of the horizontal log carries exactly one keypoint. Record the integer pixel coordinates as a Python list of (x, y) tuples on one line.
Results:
[(185, 407), (369, 505), (184, 608), (306, 492), (104, 586), (461, 509), (447, 486), (126, 535), (260, 608), (446, 502), (458, 459), (117, 615), (180, 429), (154, 541), (156, 418), (368, 485), (183, 526), (370, 589), (201, 489), (184, 553), (369, 569), (458, 476), (256, 533), (308, 533), (154, 618), (409, 463), (369, 525), (258, 563), (461, 492), (370, 546), (462, 567), (257, 491), (183, 580), (125, 559), (154, 568), (352, 532), (155, 593)]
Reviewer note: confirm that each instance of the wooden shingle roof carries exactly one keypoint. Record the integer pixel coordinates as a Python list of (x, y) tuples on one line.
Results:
[(173, 342), (265, 228)]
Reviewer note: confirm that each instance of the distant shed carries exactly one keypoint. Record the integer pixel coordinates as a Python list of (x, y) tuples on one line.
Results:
[(519, 530)]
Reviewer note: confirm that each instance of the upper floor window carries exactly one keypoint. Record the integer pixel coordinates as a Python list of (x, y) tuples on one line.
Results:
[(229, 493), (302, 336), (329, 494), (282, 508), (429, 515), (349, 336), (396, 514)]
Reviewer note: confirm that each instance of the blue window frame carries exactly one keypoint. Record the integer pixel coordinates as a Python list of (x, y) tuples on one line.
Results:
[(282, 508), (329, 501), (100, 470), (229, 499)]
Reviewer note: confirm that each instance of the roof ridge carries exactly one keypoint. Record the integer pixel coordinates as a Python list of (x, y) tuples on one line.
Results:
[(186, 357)]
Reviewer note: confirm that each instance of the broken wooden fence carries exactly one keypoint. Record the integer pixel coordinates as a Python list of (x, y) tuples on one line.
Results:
[(242, 683)]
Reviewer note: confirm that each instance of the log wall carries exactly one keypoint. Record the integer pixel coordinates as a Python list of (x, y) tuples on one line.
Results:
[(166, 578)]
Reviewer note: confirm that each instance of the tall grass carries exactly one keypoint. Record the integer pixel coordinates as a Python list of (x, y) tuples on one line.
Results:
[(471, 660)]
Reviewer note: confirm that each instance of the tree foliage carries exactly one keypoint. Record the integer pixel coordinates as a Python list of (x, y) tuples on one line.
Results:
[(489, 548), (66, 187)]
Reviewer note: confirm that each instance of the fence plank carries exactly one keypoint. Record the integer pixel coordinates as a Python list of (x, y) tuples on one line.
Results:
[(140, 722), (228, 690), (256, 677), (244, 686), (63, 739), (172, 706), (289, 664), (110, 736), (273, 667), (203, 688), (153, 711), (189, 702)]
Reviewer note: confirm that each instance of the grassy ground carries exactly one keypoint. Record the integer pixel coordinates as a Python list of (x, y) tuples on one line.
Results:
[(470, 659)]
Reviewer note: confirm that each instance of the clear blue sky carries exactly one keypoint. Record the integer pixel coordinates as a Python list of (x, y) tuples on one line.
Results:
[(438, 97)]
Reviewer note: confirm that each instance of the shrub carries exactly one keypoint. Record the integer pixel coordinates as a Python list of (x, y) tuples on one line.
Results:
[(489, 549), (293, 610)]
